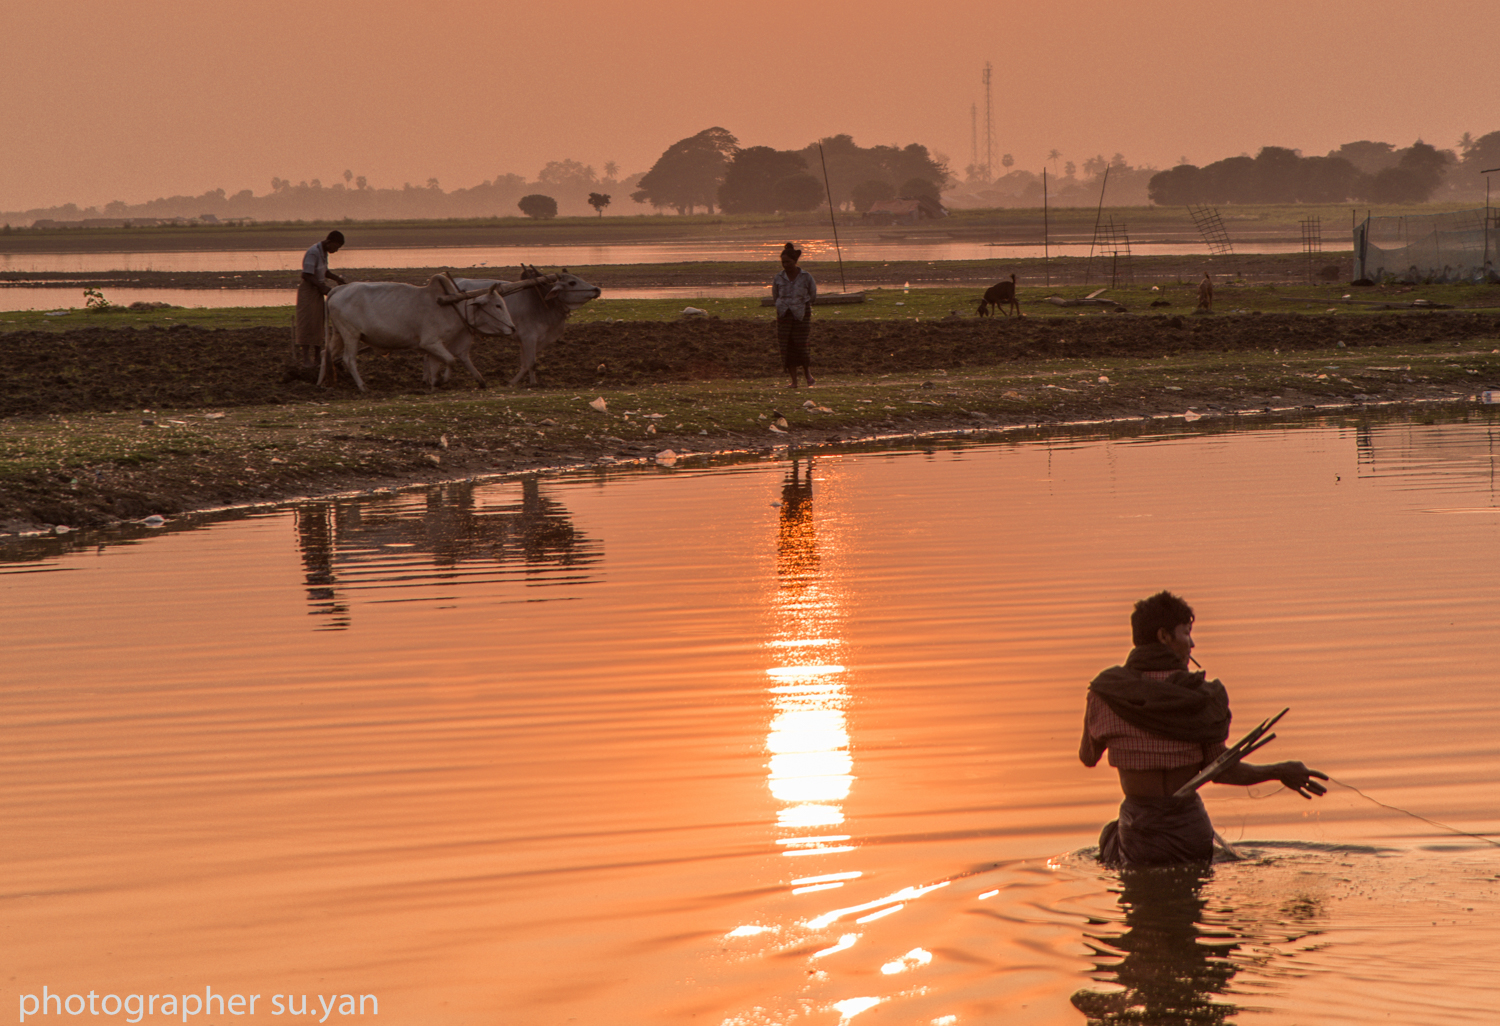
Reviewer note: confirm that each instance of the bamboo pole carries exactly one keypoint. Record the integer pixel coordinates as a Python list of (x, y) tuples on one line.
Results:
[(1046, 234), (831, 219)]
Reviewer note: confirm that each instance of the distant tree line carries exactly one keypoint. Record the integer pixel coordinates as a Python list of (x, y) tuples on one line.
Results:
[(569, 183), (1126, 186), (711, 169), (1364, 171), (1280, 175)]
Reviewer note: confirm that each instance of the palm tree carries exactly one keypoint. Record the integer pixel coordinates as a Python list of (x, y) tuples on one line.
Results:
[(611, 169), (1053, 156)]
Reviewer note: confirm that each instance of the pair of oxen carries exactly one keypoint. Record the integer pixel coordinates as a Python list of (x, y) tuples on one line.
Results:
[(443, 319)]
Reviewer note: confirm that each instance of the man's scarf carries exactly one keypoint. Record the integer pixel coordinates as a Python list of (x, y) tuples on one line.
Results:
[(1184, 707)]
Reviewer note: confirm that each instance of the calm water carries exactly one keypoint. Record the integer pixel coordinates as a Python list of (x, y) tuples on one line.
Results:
[(917, 246), (770, 743)]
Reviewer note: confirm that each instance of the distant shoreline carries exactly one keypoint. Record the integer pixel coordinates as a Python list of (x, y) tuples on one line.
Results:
[(892, 273)]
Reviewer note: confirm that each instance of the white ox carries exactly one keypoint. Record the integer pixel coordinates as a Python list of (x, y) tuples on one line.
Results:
[(540, 309), (433, 319)]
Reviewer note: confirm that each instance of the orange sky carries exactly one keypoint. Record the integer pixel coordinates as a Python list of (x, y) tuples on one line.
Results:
[(133, 99)]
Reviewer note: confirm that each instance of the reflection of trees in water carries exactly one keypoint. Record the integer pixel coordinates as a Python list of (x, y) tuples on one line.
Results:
[(1170, 965), (373, 544)]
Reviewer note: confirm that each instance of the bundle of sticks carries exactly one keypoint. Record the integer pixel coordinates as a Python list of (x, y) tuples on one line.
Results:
[(1256, 739)]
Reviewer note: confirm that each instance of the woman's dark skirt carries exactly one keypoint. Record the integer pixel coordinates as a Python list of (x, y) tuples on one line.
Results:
[(1158, 832), (792, 335)]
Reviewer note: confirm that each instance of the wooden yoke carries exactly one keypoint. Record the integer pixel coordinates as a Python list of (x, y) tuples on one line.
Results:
[(512, 287)]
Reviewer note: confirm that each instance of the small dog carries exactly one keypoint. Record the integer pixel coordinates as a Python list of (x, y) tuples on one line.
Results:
[(1206, 292), (1002, 294)]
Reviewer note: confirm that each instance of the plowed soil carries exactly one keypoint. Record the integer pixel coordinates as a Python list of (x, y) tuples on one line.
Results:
[(181, 367)]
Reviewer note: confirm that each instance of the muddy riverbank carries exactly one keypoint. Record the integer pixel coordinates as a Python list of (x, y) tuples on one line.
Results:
[(102, 425)]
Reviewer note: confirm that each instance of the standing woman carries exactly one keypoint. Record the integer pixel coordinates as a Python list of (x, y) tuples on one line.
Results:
[(794, 290)]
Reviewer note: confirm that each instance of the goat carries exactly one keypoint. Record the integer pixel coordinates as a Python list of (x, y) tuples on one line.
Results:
[(1002, 294)]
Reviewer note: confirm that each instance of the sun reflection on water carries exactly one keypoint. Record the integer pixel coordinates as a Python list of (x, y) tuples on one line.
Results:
[(810, 769)]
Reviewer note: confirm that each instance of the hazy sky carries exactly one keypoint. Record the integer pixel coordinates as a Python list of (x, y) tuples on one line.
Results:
[(134, 99)]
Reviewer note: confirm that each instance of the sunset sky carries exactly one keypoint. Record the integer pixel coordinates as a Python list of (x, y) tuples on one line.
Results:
[(133, 99)]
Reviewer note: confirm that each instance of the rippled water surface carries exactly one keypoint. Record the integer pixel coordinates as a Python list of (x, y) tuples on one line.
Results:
[(784, 741)]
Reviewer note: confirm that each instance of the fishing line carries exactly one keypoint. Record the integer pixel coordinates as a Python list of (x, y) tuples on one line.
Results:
[(1404, 812)]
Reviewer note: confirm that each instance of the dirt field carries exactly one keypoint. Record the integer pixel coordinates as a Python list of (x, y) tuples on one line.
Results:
[(101, 425)]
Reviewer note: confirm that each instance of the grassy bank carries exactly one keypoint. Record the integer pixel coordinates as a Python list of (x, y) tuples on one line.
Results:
[(887, 302), (106, 424)]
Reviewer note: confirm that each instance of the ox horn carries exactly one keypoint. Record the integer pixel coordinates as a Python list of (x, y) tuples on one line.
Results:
[(511, 287)]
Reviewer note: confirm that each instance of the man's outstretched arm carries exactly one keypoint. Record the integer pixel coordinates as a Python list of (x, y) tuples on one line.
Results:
[(1293, 775)]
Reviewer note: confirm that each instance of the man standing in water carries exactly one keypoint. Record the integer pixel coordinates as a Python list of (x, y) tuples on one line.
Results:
[(794, 290), (310, 294), (1161, 725)]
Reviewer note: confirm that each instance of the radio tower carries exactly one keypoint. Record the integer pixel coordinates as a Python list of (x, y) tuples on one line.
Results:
[(974, 138), (989, 124)]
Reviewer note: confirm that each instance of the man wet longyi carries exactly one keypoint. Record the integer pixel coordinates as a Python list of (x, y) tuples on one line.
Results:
[(1161, 724)]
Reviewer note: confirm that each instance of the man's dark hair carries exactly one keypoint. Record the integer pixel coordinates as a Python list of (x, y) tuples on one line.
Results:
[(335, 236), (1162, 611)]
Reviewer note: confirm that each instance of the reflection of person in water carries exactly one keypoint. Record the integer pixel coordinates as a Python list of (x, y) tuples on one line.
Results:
[(1169, 974), (796, 543), (315, 539), (1161, 725)]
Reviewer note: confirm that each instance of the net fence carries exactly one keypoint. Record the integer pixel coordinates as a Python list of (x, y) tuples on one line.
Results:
[(1450, 247)]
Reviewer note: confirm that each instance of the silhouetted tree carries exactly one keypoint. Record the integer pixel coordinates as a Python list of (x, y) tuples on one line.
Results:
[(1369, 157), (611, 171), (920, 188), (348, 177), (1177, 187), (1007, 162), (798, 192), (688, 174), (866, 194), (1483, 153), (567, 175), (1330, 180), (538, 206), (1277, 176), (1414, 179), (850, 164), (599, 200), (750, 180), (360, 183)]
